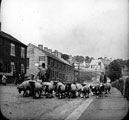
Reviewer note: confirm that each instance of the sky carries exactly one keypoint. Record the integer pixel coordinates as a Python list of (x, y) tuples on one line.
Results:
[(95, 28)]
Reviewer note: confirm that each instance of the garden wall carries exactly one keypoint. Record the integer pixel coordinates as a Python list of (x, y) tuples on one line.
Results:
[(122, 84)]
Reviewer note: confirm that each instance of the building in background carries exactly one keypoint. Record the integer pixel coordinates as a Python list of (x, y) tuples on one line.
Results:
[(99, 64), (13, 54), (61, 70)]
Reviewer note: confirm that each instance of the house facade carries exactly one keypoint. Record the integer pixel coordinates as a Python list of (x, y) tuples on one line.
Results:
[(99, 64), (13, 55), (61, 70)]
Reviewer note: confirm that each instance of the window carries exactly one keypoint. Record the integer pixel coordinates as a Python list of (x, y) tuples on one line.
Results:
[(28, 63), (99, 63), (41, 58), (48, 61), (22, 68), (0, 67), (59, 65), (51, 63), (12, 67), (42, 61), (55, 63), (12, 49), (7, 67), (22, 52)]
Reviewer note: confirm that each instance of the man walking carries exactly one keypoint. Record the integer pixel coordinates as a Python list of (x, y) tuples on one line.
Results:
[(47, 74), (41, 74), (4, 78), (103, 78)]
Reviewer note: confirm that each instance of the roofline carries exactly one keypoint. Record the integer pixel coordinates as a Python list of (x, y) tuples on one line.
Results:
[(47, 53), (16, 40)]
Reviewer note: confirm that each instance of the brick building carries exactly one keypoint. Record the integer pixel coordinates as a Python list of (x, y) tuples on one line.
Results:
[(60, 69), (12, 55)]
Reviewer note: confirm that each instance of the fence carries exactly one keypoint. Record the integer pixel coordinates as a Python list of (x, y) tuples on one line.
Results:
[(123, 85)]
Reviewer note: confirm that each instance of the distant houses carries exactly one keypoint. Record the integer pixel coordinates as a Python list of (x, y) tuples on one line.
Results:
[(99, 64), (13, 54), (94, 64)]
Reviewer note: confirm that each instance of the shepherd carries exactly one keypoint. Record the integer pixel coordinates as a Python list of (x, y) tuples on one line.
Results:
[(41, 74), (47, 73), (103, 78)]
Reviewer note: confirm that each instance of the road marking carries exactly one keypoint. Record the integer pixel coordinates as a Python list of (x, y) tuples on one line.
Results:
[(77, 113)]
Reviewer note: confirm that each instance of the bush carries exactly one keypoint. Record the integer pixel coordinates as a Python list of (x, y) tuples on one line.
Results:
[(114, 70)]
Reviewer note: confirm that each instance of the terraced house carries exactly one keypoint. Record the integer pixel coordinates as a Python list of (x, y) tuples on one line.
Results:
[(60, 69), (12, 55)]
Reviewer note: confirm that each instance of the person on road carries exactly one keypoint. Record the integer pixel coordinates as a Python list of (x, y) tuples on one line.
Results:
[(15, 76), (4, 78), (41, 74), (47, 73), (103, 78), (32, 76)]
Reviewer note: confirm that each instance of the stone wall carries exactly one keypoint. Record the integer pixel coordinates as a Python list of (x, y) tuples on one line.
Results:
[(122, 84)]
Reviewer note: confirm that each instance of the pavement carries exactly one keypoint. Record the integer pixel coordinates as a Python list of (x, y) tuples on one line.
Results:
[(111, 106)]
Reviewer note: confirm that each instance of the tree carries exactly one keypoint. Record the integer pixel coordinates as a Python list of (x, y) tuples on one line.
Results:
[(127, 63), (91, 59), (100, 58), (87, 59), (79, 59), (65, 56), (114, 70)]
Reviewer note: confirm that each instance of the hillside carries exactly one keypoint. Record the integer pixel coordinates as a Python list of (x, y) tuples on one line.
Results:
[(87, 76)]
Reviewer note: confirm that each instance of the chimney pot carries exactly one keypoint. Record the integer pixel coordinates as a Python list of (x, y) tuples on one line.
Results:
[(40, 46)]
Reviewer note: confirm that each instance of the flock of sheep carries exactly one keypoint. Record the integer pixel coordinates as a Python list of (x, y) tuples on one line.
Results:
[(37, 88)]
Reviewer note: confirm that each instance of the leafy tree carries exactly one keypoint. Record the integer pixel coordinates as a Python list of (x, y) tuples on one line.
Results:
[(91, 59), (114, 70), (100, 58), (122, 62), (87, 59), (127, 63), (65, 56), (79, 59)]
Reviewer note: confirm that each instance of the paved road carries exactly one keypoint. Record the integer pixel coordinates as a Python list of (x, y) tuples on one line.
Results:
[(112, 106), (13, 105)]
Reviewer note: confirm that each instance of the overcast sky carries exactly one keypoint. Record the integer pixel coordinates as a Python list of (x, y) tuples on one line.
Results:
[(97, 28)]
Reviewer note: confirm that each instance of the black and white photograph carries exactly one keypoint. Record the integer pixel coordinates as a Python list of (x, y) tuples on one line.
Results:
[(64, 59)]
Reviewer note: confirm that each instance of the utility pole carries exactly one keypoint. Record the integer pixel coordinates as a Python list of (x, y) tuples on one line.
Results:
[(78, 70)]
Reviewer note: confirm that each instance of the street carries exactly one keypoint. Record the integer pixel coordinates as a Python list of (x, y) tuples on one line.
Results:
[(15, 106)]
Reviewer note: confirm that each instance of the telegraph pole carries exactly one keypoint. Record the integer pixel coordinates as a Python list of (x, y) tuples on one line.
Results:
[(78, 70)]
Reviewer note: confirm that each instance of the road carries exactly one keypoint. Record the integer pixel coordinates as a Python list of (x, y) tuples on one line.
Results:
[(15, 106)]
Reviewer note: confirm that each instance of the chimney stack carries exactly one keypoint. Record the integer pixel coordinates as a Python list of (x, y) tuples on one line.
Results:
[(50, 50), (59, 54), (40, 46), (46, 49)]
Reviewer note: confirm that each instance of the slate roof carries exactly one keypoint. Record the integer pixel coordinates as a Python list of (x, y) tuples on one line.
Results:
[(9, 37)]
